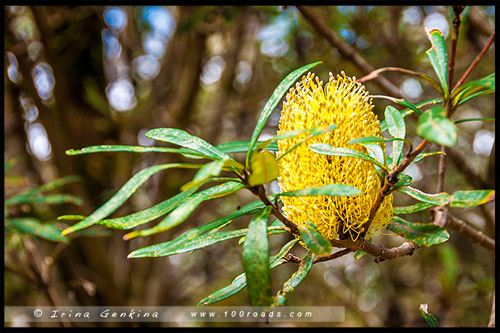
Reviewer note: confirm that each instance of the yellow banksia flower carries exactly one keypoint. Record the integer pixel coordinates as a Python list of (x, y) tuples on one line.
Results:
[(345, 103)]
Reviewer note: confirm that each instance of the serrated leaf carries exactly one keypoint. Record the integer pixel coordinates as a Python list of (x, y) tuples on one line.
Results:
[(122, 195), (184, 139), (182, 212), (439, 199), (439, 58), (273, 101), (326, 149), (471, 198), (413, 208), (397, 128), (297, 277), (263, 167), (32, 226), (190, 243), (428, 317), (314, 241), (330, 190), (422, 234), (240, 281), (148, 214), (256, 260), (435, 126), (211, 169)]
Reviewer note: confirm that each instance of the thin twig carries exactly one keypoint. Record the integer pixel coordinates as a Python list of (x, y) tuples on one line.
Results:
[(332, 256), (457, 10), (375, 74), (346, 50), (441, 171), (476, 61), (475, 235)]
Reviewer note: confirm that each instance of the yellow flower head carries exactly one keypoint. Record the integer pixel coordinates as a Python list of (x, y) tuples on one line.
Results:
[(345, 103)]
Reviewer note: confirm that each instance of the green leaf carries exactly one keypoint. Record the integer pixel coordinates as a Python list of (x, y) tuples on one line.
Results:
[(326, 149), (473, 119), (256, 260), (149, 214), (422, 234), (439, 199), (184, 139), (421, 156), (297, 277), (463, 93), (314, 241), (240, 281), (413, 208), (71, 217), (53, 199), (213, 168), (407, 112), (263, 167), (190, 243), (435, 126), (397, 128), (123, 194), (403, 180), (242, 146), (32, 226), (330, 189), (439, 58), (132, 149), (182, 212), (409, 105), (359, 254), (273, 101), (428, 317), (477, 94), (472, 198)]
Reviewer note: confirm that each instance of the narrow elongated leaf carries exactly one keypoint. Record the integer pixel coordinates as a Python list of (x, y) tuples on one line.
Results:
[(439, 199), (409, 105), (439, 58), (326, 149), (435, 126), (240, 281), (256, 260), (193, 243), (330, 189), (472, 198), (359, 254), (52, 199), (473, 119), (486, 84), (375, 151), (413, 208), (182, 212), (397, 128), (242, 146), (208, 170), (421, 156), (129, 149), (273, 101), (474, 95), (123, 194), (263, 167), (312, 133), (184, 139), (403, 180), (149, 214), (32, 226), (407, 112), (428, 317), (297, 277), (422, 234), (314, 241)]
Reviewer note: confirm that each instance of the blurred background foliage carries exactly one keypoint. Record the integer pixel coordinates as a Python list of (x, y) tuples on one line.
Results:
[(89, 75)]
